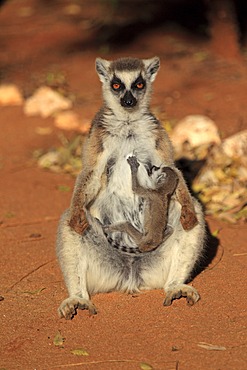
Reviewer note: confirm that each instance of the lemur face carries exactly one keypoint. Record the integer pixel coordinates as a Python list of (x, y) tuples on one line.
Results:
[(126, 91), (127, 81)]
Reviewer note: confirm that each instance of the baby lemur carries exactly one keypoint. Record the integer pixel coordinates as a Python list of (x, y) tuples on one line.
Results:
[(91, 262), (157, 201)]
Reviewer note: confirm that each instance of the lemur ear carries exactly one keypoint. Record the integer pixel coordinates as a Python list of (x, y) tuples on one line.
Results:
[(102, 68), (152, 66)]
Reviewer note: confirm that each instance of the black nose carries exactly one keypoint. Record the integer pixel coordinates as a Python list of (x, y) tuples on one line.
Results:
[(128, 101)]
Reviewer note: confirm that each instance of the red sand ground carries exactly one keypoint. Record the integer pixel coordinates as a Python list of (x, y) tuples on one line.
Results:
[(129, 329)]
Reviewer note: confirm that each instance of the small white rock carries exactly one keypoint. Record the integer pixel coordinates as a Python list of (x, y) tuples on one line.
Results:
[(45, 102), (195, 130), (10, 95), (70, 120), (235, 146), (49, 159)]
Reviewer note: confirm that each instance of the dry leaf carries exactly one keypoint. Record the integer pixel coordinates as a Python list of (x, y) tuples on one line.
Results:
[(79, 352), (211, 347), (145, 366), (43, 130), (64, 188), (49, 159), (37, 291), (215, 233), (58, 339)]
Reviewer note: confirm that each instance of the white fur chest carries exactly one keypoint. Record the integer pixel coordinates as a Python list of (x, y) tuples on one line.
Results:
[(117, 202)]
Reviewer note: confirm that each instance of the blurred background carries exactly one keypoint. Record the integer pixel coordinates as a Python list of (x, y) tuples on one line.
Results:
[(202, 45)]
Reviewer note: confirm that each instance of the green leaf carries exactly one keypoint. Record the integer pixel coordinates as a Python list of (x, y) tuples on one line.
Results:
[(64, 188), (215, 233)]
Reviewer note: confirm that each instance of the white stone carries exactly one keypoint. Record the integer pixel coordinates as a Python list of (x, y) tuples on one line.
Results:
[(45, 102), (235, 146), (70, 120), (196, 130), (10, 95)]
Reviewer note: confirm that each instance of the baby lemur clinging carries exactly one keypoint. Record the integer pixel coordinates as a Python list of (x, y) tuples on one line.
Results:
[(91, 262), (157, 201)]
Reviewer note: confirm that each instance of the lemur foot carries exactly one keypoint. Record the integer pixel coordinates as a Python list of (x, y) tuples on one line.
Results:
[(133, 162), (69, 306), (188, 218), (78, 224), (182, 290)]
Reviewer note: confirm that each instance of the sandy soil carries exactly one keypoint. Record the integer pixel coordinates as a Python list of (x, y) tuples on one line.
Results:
[(129, 329)]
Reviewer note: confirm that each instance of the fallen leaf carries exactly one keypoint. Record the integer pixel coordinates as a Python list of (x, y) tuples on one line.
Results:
[(200, 56), (9, 215), (37, 291), (211, 347), (215, 233), (43, 130), (63, 188), (79, 352), (49, 159), (58, 339), (145, 366)]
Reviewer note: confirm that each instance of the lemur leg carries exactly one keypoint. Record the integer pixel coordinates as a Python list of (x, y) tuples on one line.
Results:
[(188, 217), (184, 249), (77, 219), (128, 228), (74, 271)]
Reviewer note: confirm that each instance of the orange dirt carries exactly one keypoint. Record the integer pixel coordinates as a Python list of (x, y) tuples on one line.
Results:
[(129, 329)]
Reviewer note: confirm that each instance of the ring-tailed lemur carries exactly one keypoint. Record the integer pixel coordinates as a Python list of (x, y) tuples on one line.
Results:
[(157, 200), (92, 263)]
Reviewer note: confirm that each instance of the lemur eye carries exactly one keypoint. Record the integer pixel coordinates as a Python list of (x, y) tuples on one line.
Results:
[(116, 86), (140, 85)]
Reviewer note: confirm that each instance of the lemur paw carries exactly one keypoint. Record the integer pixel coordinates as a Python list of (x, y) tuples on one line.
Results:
[(133, 162), (69, 306), (182, 290)]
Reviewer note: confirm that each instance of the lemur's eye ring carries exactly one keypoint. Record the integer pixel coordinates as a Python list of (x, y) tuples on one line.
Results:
[(140, 85), (116, 86)]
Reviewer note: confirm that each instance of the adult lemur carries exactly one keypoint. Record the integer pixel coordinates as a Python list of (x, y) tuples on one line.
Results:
[(92, 262)]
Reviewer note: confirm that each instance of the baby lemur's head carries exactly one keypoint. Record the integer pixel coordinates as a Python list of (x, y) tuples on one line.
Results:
[(127, 82)]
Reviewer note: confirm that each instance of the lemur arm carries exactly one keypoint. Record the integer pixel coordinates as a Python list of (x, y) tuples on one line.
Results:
[(136, 187)]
